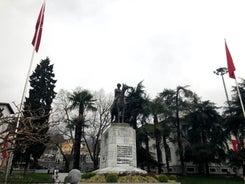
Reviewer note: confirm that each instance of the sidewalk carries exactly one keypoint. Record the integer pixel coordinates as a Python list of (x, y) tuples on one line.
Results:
[(61, 178)]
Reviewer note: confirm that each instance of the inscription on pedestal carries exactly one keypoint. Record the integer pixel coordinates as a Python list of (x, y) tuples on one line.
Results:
[(124, 154), (118, 148)]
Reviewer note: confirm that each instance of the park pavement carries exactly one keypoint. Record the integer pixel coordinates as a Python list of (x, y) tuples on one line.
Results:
[(61, 178)]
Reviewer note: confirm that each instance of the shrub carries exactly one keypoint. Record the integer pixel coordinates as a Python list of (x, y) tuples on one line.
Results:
[(88, 175), (173, 177), (124, 179), (137, 179), (96, 179), (162, 178), (151, 179), (111, 178)]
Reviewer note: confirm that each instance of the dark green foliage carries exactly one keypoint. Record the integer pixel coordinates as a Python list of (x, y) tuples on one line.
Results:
[(37, 108), (88, 175), (235, 125), (28, 178), (205, 135), (210, 180), (173, 177), (144, 156), (162, 178), (83, 100), (136, 103), (111, 178)]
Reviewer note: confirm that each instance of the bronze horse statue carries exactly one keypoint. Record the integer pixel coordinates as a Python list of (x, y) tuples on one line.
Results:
[(118, 106)]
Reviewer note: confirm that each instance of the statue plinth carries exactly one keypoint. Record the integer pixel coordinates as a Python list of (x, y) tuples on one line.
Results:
[(118, 150)]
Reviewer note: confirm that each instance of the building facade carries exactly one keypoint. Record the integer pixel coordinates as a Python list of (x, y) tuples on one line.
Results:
[(5, 112)]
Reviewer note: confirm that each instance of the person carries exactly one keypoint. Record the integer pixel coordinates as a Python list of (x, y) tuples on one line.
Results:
[(117, 92)]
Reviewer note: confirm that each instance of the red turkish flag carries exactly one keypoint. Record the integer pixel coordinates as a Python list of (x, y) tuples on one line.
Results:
[(230, 64), (39, 27), (235, 145), (4, 153)]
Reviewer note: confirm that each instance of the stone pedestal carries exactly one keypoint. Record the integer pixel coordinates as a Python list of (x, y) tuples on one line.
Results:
[(118, 150)]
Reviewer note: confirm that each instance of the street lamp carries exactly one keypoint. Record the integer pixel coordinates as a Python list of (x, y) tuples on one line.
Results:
[(222, 71), (179, 137)]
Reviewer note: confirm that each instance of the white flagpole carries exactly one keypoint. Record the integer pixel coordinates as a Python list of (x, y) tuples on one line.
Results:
[(30, 67), (238, 91), (10, 158)]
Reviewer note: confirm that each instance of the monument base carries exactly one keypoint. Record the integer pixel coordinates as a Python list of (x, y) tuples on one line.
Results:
[(118, 150)]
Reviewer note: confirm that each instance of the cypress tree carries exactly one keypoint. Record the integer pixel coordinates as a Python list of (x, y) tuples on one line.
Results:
[(37, 108)]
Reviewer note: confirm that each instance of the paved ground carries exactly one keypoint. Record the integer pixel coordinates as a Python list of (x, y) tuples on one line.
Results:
[(60, 178)]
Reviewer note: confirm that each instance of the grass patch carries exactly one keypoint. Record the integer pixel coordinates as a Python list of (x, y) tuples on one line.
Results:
[(28, 178), (210, 180)]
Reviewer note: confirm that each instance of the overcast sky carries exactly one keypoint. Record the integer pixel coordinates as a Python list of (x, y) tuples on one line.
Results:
[(96, 44)]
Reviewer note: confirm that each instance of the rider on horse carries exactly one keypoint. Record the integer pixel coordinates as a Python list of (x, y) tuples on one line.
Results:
[(118, 105), (118, 92)]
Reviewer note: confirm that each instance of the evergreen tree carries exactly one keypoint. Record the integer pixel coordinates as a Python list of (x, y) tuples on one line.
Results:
[(235, 126), (207, 141), (37, 108)]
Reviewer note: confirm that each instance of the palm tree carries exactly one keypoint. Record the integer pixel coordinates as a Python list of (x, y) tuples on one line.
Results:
[(82, 99), (178, 100), (166, 130), (168, 97), (136, 103), (157, 107), (145, 158), (177, 103)]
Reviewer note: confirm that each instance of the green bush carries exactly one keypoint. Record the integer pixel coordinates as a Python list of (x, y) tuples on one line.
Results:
[(173, 177), (88, 175), (111, 178), (162, 178)]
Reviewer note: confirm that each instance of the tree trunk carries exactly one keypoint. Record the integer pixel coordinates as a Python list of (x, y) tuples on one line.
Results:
[(96, 163), (148, 151), (78, 135), (158, 146), (67, 161), (166, 148), (206, 168), (243, 169)]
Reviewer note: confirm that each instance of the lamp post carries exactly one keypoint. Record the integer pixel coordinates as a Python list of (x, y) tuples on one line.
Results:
[(221, 71), (179, 136)]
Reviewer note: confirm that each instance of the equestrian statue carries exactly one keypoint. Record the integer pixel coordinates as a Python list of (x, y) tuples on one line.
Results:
[(118, 105)]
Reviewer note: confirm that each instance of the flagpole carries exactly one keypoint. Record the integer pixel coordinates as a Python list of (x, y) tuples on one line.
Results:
[(10, 159), (11, 155), (231, 70), (29, 70), (239, 94)]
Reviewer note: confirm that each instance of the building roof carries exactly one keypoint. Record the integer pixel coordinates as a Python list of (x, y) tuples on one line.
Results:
[(8, 106)]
